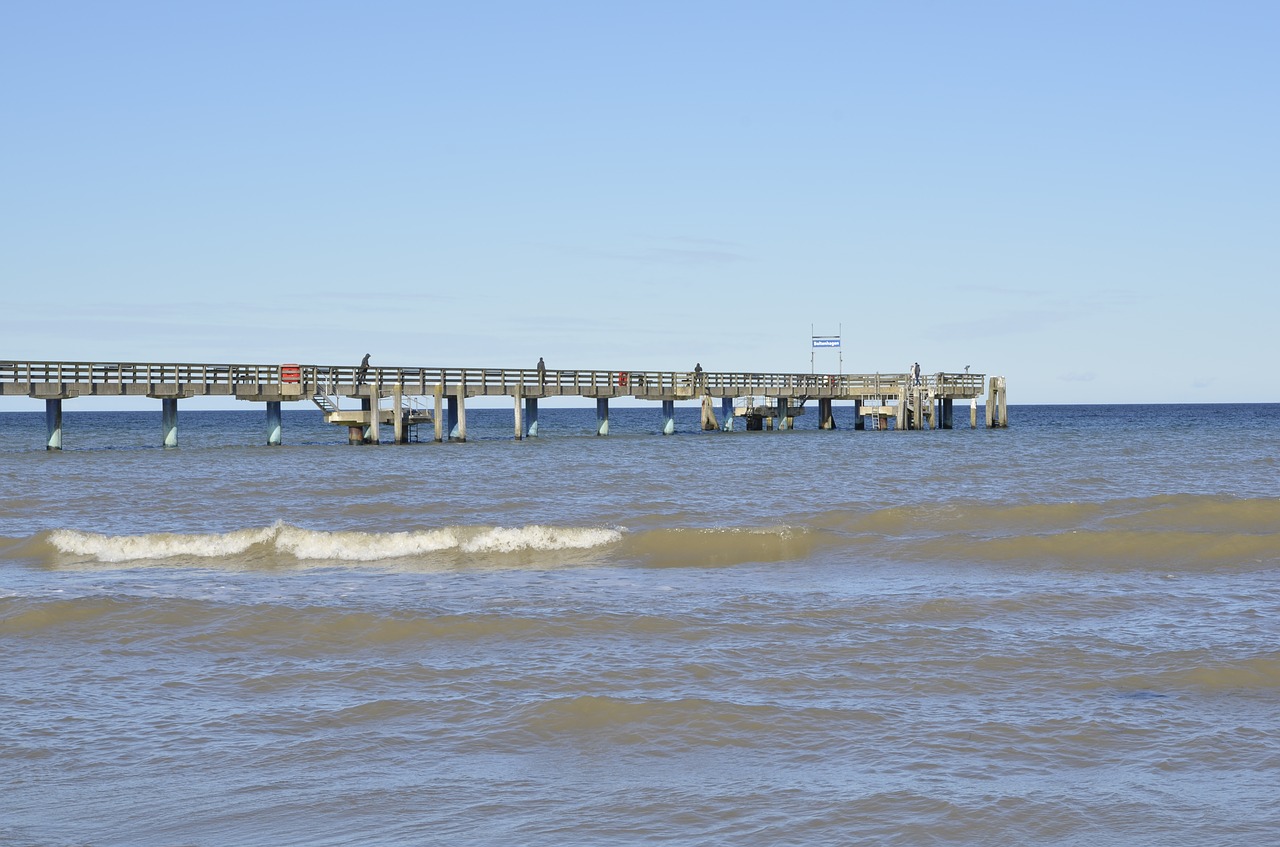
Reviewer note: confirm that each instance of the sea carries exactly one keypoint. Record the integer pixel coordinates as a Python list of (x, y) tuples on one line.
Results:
[(1066, 632)]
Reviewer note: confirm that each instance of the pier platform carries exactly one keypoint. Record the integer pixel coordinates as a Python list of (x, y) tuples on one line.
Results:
[(356, 397)]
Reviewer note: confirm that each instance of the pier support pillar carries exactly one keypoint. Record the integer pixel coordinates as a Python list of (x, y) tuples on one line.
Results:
[(438, 420), (602, 416), (948, 413), (375, 412), (997, 408), (365, 431), (859, 422), (785, 421), (519, 419), (726, 410), (169, 420), (668, 417), (531, 415), (901, 423), (53, 423), (826, 419), (274, 424), (397, 405), (709, 422), (457, 416), (973, 413)]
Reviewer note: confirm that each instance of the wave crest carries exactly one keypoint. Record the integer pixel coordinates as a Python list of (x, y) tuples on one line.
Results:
[(302, 544)]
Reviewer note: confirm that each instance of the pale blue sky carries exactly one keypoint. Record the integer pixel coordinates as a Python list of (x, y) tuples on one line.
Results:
[(1081, 196)]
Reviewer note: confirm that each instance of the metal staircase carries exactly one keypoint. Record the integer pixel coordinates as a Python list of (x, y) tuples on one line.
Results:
[(326, 405)]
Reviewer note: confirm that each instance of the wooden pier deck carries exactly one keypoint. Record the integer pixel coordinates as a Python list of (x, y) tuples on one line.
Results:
[(433, 395)]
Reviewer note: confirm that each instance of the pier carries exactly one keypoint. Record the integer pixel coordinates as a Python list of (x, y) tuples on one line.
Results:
[(368, 399)]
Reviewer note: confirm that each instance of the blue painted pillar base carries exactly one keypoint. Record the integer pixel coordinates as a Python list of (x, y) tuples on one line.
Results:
[(668, 417), (531, 415), (602, 416), (451, 418), (458, 416), (169, 420), (53, 422), (726, 410), (274, 424)]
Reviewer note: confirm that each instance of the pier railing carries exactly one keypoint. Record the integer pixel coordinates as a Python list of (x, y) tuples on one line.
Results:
[(300, 381)]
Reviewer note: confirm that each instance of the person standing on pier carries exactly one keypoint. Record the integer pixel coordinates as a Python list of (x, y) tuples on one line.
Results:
[(362, 370), (697, 377), (915, 373), (542, 373)]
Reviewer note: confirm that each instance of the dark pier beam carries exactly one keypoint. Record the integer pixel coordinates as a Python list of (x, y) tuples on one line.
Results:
[(53, 423), (531, 415), (169, 420), (602, 416), (274, 424)]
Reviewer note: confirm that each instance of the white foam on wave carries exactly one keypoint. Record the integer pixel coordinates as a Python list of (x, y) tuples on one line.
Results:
[(515, 539), (338, 545), (162, 545), (363, 546)]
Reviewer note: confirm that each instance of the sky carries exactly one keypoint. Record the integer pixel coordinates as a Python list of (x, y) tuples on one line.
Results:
[(1083, 197)]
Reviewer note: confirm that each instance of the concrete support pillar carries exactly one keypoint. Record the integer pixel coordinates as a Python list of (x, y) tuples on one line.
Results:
[(997, 408), (859, 422), (709, 422), (53, 423), (602, 416), (973, 413), (169, 420), (457, 416), (355, 435), (375, 412), (438, 420), (785, 421), (397, 420), (826, 418), (519, 419), (948, 413), (901, 423), (531, 415), (668, 417), (274, 424), (726, 411)]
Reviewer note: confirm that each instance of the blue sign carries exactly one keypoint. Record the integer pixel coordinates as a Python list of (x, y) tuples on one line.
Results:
[(826, 342)]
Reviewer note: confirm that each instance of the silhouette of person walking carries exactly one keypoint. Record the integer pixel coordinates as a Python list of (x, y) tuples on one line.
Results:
[(362, 370), (542, 372)]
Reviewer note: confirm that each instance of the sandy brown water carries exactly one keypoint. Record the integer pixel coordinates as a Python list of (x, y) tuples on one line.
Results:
[(1063, 633)]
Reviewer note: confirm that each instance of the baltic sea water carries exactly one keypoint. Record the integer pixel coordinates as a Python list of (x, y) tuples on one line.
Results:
[(1065, 632)]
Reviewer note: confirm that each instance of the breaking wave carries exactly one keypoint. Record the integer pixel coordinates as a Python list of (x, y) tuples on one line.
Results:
[(308, 545), (1169, 532)]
